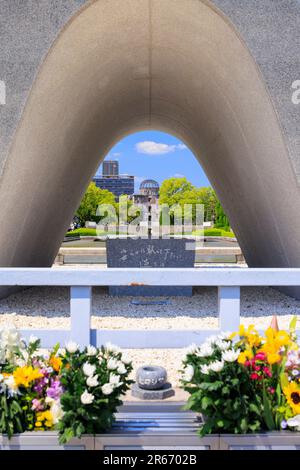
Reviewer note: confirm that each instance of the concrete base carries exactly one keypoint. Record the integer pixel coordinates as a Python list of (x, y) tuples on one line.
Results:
[(165, 392)]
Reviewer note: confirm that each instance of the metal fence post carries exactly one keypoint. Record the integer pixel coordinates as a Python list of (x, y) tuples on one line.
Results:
[(80, 310), (229, 308)]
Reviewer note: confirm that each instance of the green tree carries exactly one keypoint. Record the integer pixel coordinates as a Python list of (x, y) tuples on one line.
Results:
[(90, 201), (181, 191), (173, 190), (221, 218)]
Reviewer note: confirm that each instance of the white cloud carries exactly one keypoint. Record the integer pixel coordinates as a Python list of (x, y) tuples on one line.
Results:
[(156, 148), (178, 175), (116, 154)]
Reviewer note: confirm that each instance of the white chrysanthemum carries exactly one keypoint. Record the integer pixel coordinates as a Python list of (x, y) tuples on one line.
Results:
[(126, 359), (92, 381), (91, 351), (114, 380), (216, 366), (88, 369), (112, 348), (192, 349), (294, 422), (112, 364), (205, 350), (121, 368), (188, 373), (107, 389), (11, 384), (211, 340), (72, 347), (10, 337), (204, 369), (223, 345), (231, 355), (87, 398)]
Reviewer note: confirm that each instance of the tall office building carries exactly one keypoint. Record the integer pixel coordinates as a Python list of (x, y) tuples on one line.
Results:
[(110, 168), (112, 181)]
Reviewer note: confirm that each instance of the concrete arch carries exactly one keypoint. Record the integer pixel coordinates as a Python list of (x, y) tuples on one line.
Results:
[(124, 65)]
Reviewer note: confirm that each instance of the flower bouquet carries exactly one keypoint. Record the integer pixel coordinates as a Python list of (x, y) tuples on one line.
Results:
[(73, 391), (93, 381), (244, 382)]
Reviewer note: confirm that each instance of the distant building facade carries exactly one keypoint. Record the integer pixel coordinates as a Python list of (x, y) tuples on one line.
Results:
[(112, 181), (118, 185), (110, 168), (148, 193)]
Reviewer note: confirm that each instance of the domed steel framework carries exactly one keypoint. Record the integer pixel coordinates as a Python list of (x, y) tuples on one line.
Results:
[(149, 187)]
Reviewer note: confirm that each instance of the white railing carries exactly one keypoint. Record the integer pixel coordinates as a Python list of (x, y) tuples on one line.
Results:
[(81, 281)]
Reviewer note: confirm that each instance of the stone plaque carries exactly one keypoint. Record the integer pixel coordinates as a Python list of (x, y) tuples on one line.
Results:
[(150, 253)]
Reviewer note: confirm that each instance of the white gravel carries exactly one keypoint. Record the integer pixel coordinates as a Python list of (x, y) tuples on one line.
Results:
[(46, 307)]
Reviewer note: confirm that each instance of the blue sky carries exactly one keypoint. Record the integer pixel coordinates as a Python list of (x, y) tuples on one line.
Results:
[(156, 155)]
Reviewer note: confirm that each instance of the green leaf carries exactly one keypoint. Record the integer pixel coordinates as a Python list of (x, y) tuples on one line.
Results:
[(268, 416), (206, 402), (244, 425), (254, 408), (283, 380), (293, 324)]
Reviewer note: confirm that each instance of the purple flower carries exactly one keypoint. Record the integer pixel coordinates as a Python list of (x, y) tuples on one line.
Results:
[(55, 390), (283, 424), (40, 385)]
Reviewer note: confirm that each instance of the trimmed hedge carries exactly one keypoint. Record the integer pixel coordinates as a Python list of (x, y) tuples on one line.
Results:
[(214, 232), (209, 232), (82, 232)]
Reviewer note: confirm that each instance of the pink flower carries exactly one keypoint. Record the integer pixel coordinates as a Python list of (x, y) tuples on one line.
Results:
[(36, 405), (261, 356), (267, 371), (254, 376), (257, 368), (271, 390)]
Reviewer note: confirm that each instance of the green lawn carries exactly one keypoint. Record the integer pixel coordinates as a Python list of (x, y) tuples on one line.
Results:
[(214, 232), (210, 232)]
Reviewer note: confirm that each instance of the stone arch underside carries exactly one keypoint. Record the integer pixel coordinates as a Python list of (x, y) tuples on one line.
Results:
[(120, 66)]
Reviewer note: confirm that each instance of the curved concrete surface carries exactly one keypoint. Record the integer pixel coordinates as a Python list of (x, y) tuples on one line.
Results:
[(125, 65)]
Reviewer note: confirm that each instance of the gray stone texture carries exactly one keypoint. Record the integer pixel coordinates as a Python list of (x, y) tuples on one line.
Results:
[(150, 253), (219, 81), (151, 377), (166, 392)]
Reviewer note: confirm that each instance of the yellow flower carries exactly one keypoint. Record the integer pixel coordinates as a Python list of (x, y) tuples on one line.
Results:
[(272, 358), (283, 338), (292, 393), (275, 341), (44, 418), (245, 356), (56, 363), (25, 375), (250, 335)]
